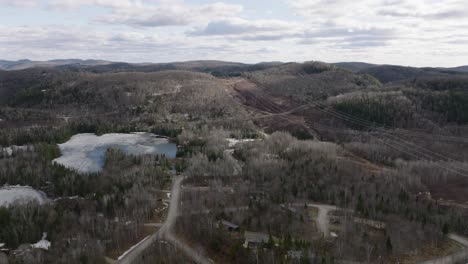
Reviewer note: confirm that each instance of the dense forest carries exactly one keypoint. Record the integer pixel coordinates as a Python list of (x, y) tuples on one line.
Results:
[(321, 163)]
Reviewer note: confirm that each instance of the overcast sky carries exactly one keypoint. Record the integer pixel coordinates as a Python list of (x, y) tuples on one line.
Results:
[(404, 32)]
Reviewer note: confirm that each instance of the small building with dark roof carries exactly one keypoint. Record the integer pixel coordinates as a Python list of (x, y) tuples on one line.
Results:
[(228, 225), (255, 239)]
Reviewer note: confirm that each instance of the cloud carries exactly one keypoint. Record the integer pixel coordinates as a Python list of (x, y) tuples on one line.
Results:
[(385, 31), (43, 43), (367, 33), (378, 23), (271, 37), (20, 3), (74, 4), (437, 11), (238, 26), (267, 50), (152, 13), (379, 11)]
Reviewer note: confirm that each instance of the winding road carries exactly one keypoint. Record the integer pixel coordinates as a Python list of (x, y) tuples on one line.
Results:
[(166, 232)]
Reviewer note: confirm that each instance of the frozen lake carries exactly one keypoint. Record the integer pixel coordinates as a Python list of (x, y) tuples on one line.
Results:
[(86, 152), (19, 194)]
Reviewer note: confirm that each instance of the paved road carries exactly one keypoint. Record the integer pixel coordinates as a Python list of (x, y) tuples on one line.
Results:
[(166, 232), (133, 255), (459, 239), (193, 254), (457, 257)]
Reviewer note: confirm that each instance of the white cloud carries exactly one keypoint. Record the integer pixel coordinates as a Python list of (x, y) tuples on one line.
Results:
[(153, 13), (73, 4), (377, 23), (418, 32), (43, 43), (19, 3), (238, 26), (170, 14)]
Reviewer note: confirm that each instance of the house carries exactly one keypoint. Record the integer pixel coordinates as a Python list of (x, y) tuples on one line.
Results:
[(370, 223), (255, 239), (228, 225), (288, 208)]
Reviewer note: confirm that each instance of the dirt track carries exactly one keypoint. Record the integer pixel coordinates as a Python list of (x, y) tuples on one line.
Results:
[(284, 111)]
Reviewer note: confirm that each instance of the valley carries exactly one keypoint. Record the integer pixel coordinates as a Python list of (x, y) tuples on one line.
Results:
[(218, 162)]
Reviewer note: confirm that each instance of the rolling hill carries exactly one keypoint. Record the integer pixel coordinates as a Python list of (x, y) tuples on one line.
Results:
[(354, 66), (26, 64)]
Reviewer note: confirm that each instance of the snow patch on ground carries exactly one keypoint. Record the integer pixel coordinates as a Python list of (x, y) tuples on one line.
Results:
[(86, 152), (20, 194), (126, 252), (232, 141), (43, 243), (9, 150)]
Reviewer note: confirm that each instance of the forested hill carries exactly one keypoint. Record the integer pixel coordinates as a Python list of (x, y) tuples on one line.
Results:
[(396, 73), (381, 151)]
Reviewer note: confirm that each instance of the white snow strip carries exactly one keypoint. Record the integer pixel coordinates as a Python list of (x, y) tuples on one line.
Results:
[(43, 243), (20, 194), (68, 198), (86, 152), (232, 141), (126, 252), (9, 150)]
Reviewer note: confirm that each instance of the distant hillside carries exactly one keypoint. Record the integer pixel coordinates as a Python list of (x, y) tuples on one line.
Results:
[(215, 68), (354, 66), (311, 79), (26, 64), (390, 73), (460, 69), (396, 73), (393, 73)]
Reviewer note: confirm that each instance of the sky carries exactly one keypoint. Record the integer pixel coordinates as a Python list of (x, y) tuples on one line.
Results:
[(404, 32)]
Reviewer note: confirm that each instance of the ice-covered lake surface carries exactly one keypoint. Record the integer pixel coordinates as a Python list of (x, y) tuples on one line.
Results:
[(86, 152), (20, 194)]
